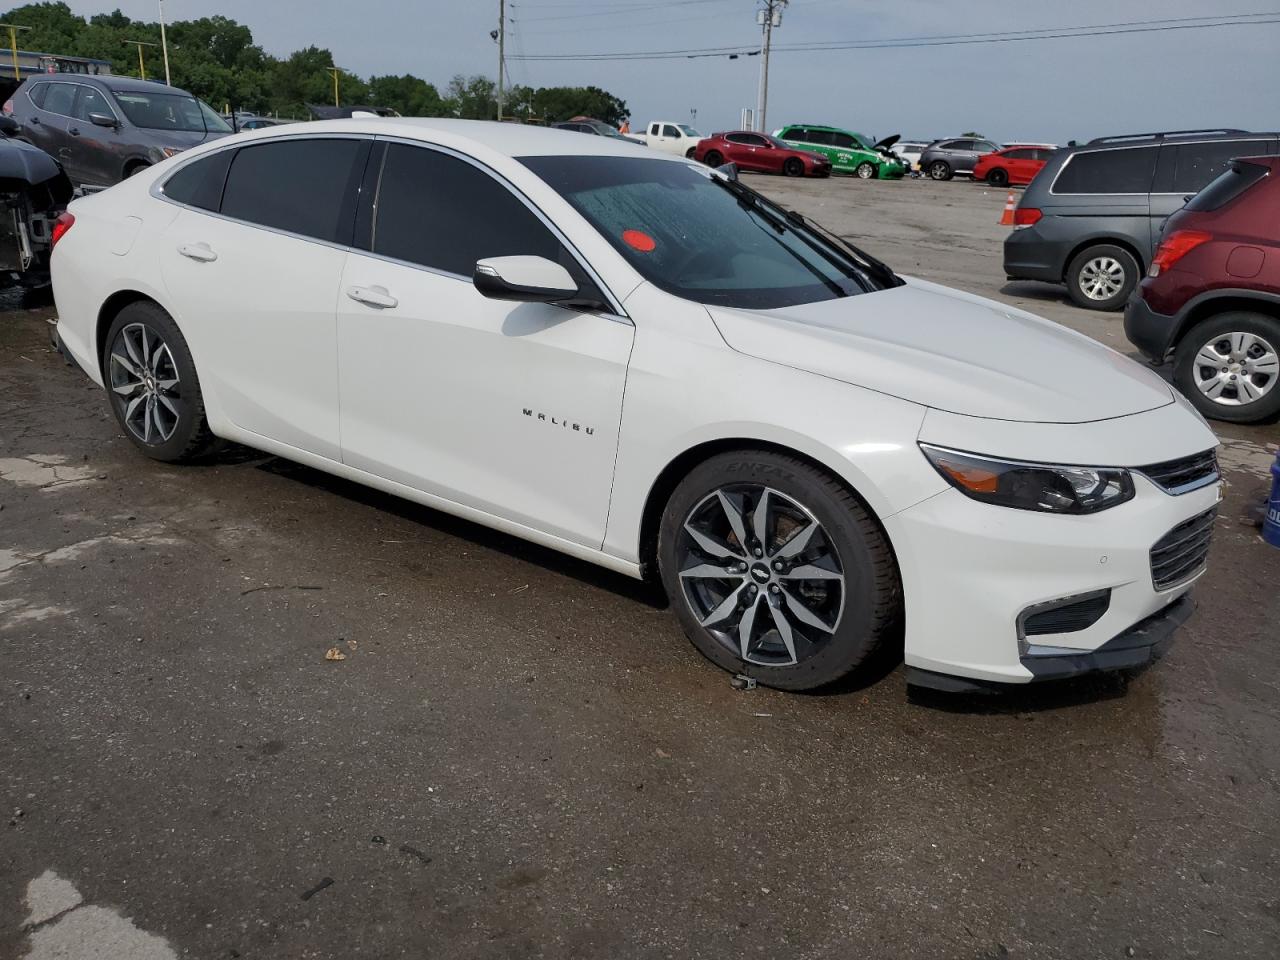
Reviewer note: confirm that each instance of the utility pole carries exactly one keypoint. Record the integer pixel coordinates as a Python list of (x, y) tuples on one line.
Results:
[(335, 72), (164, 45), (142, 65), (768, 18), (13, 29), (502, 43)]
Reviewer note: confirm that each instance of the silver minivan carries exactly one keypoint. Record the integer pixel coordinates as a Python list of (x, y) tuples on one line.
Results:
[(104, 129)]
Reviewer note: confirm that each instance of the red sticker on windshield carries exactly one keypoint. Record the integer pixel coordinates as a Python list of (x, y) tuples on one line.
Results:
[(638, 240)]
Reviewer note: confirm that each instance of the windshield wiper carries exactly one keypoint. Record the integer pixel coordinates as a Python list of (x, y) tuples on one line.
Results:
[(884, 273)]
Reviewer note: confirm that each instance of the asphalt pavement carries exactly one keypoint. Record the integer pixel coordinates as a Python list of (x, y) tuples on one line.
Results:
[(248, 710)]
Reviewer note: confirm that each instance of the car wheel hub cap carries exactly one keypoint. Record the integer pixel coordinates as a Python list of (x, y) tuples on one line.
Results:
[(1236, 369), (1102, 278), (761, 574), (144, 383)]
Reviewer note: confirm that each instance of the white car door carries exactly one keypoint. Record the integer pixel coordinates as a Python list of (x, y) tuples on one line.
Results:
[(255, 284), (510, 408)]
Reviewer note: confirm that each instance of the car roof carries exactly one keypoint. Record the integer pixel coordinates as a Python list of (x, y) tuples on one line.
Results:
[(126, 84), (508, 139)]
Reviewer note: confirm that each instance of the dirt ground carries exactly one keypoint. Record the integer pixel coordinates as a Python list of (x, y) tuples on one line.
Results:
[(521, 756)]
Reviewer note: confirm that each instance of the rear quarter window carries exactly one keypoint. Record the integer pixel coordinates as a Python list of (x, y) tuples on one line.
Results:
[(1127, 170), (200, 183)]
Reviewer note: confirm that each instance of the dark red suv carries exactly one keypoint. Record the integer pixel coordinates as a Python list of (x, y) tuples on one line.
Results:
[(761, 153), (1212, 295)]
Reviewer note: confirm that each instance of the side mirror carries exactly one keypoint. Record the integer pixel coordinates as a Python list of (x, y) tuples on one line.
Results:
[(102, 120), (8, 126), (727, 170), (527, 279)]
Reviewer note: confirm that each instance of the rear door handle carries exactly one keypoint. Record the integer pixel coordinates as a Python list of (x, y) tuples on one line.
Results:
[(74, 131), (373, 296), (199, 252)]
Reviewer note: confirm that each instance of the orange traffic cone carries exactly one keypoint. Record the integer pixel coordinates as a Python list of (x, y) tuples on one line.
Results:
[(1006, 218)]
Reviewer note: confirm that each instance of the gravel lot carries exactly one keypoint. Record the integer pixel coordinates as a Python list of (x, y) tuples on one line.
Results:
[(521, 756)]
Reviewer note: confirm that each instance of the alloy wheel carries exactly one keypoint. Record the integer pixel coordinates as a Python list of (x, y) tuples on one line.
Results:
[(1101, 278), (866, 171), (145, 383), (1236, 368), (761, 574)]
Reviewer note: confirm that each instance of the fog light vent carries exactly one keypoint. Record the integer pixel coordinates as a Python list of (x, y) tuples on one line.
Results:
[(1067, 615)]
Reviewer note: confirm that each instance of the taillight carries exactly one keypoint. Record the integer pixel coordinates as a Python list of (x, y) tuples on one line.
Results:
[(1174, 247), (8, 107), (60, 227), (1026, 216)]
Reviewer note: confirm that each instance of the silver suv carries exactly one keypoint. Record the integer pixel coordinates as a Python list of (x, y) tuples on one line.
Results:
[(104, 129), (943, 159)]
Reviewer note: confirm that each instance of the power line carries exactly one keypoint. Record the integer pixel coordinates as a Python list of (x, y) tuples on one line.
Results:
[(595, 11), (1151, 26)]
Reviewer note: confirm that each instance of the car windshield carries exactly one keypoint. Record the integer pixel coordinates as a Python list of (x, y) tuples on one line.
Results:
[(169, 111), (688, 130), (701, 237)]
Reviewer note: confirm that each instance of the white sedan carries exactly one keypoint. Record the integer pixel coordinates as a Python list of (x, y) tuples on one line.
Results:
[(645, 364)]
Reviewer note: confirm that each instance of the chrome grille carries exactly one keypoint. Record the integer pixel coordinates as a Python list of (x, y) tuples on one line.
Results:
[(1184, 474), (1180, 554)]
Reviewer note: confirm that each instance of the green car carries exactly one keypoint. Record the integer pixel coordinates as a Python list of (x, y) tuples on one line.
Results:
[(848, 152)]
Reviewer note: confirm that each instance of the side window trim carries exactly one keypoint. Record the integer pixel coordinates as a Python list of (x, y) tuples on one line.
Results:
[(616, 311), (157, 189)]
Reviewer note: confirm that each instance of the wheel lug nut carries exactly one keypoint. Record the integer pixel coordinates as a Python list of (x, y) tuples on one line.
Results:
[(777, 565), (773, 588), (758, 552)]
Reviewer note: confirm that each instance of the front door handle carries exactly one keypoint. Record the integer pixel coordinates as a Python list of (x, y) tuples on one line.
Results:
[(199, 252), (74, 131), (373, 296)]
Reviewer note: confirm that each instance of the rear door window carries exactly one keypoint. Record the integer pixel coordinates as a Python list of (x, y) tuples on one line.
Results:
[(1127, 170), (60, 99), (1238, 178), (1196, 164), (200, 183), (303, 186)]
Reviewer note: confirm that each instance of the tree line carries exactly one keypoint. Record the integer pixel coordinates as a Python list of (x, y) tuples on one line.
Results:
[(216, 59)]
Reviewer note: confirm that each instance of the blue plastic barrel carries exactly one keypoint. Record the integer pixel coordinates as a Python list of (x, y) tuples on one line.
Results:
[(1271, 522)]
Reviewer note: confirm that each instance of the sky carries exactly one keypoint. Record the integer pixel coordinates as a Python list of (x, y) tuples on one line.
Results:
[(1044, 90)]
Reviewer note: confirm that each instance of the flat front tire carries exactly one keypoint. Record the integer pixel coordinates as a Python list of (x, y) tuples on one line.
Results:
[(152, 385), (777, 571)]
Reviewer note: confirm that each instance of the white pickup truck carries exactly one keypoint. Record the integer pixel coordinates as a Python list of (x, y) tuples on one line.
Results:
[(671, 137)]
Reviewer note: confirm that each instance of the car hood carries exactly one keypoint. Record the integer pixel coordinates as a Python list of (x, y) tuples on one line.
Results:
[(951, 351), (888, 142)]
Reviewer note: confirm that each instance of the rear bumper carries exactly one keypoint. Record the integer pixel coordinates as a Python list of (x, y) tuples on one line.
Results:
[(1029, 256), (1152, 333), (1132, 649)]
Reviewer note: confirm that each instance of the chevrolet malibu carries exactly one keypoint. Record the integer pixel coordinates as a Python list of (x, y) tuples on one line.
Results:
[(643, 363)]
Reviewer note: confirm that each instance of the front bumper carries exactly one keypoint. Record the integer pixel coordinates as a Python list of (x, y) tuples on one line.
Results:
[(1142, 644), (971, 570), (1152, 333)]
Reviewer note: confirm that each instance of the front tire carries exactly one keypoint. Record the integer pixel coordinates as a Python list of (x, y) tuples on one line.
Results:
[(940, 170), (793, 167), (777, 571), (1228, 366), (153, 387), (866, 170), (1102, 277), (998, 177)]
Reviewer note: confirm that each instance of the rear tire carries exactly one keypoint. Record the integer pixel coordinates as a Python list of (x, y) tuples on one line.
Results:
[(152, 385), (713, 158), (135, 168), (866, 170), (1102, 277), (940, 170), (998, 177), (688, 154), (793, 167), (817, 600), (1247, 345)]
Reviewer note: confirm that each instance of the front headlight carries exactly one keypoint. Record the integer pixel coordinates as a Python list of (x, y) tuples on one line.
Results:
[(1048, 488), (171, 151)]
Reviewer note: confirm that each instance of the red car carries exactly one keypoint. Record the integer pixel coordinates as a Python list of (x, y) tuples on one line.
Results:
[(1211, 299), (1011, 165), (760, 152)]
